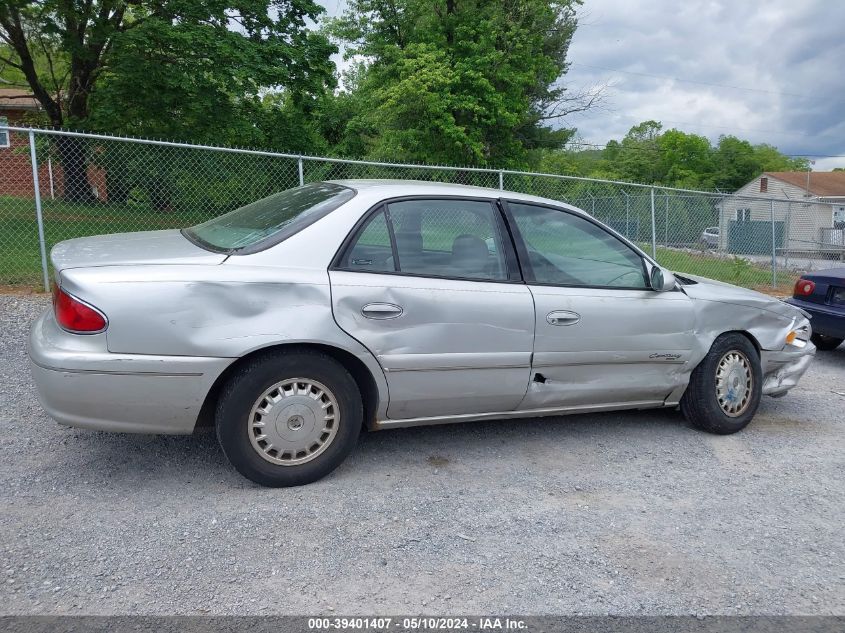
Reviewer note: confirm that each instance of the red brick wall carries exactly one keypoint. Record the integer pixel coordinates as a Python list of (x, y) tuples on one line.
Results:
[(16, 172)]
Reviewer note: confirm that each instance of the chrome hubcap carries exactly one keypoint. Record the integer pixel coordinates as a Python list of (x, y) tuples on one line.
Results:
[(734, 383), (293, 421)]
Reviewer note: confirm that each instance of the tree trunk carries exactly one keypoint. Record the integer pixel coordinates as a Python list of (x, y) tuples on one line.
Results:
[(72, 156), (118, 187), (73, 150)]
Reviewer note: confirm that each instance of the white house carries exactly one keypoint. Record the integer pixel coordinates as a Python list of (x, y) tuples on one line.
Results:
[(808, 209)]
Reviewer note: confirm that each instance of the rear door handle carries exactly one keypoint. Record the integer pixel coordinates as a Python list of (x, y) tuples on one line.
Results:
[(562, 317), (381, 311)]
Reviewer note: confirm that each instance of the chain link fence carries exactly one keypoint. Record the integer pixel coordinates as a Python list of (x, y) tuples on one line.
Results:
[(56, 186)]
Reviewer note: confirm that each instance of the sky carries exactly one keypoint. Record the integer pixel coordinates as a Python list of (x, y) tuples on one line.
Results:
[(770, 72)]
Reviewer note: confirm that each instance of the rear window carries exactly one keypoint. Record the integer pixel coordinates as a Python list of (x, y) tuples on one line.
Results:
[(268, 221)]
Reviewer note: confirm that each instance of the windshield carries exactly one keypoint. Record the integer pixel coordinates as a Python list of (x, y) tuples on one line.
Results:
[(270, 220)]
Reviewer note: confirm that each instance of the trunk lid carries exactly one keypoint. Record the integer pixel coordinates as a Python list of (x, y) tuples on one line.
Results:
[(830, 287), (131, 249)]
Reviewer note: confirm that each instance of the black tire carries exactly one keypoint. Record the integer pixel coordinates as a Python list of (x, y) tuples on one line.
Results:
[(826, 343), (700, 403), (249, 382)]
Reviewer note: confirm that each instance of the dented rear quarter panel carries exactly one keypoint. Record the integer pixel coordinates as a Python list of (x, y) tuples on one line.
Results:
[(215, 311)]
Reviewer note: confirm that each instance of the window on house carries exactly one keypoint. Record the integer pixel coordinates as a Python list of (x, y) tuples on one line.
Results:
[(764, 185), (743, 215), (839, 217), (4, 134)]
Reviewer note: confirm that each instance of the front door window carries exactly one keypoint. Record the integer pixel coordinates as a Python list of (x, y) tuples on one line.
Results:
[(568, 250)]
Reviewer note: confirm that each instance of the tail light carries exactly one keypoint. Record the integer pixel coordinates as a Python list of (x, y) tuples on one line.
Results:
[(804, 288), (77, 316)]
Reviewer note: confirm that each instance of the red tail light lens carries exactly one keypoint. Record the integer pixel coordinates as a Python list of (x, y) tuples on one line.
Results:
[(804, 288), (75, 316)]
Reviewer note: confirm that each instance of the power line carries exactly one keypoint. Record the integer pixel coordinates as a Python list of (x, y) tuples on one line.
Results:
[(689, 81)]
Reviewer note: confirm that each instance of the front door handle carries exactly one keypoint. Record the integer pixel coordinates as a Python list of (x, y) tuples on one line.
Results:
[(381, 311), (562, 317)]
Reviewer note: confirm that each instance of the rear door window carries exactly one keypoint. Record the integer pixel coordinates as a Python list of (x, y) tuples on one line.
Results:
[(449, 238)]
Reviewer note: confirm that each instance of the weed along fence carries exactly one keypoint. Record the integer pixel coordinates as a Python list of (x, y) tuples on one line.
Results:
[(60, 185)]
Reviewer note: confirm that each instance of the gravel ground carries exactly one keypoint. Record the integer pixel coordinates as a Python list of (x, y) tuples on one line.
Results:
[(609, 513)]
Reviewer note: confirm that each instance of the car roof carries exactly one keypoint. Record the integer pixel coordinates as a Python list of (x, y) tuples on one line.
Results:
[(392, 188)]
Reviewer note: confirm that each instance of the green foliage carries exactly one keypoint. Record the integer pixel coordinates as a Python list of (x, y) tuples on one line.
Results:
[(152, 60), (203, 81), (469, 82), (740, 268), (672, 158), (182, 69)]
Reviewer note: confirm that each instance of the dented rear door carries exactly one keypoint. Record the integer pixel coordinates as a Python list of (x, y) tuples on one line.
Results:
[(447, 346)]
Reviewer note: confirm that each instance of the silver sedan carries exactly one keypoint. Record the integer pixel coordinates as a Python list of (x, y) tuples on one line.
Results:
[(293, 322)]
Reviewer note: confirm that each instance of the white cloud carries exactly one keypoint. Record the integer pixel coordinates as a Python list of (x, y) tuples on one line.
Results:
[(785, 55)]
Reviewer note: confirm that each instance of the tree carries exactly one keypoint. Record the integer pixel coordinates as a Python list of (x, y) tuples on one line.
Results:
[(685, 160), (460, 81), (638, 155), (156, 56), (737, 161), (673, 158)]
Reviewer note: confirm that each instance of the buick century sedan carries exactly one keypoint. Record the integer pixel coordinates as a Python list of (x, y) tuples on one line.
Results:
[(294, 322)]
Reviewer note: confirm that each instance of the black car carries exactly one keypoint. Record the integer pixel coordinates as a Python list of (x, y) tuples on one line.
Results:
[(822, 294)]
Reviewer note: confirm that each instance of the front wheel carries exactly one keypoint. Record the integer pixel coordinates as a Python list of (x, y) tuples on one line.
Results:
[(288, 419), (724, 390), (826, 343)]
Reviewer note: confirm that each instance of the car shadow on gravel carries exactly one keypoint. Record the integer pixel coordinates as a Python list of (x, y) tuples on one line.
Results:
[(138, 461), (135, 462)]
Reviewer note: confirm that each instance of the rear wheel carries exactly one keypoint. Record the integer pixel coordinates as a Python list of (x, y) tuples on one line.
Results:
[(724, 390), (826, 343), (289, 419)]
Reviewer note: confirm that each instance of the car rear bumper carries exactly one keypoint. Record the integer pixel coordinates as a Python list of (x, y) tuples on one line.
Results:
[(81, 384), (782, 370), (825, 320)]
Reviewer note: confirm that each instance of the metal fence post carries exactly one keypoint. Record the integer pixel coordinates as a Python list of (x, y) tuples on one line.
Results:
[(666, 223), (653, 229), (38, 215), (50, 176), (301, 171), (627, 214), (774, 258), (501, 180)]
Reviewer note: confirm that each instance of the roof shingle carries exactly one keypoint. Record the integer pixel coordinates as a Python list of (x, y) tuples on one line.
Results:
[(822, 183)]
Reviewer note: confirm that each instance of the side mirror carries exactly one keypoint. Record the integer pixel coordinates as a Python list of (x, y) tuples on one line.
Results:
[(661, 280)]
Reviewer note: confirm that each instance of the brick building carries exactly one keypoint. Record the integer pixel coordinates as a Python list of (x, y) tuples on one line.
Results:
[(17, 107), (15, 170)]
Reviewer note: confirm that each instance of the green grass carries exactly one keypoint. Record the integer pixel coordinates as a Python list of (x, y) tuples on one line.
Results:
[(20, 259), (732, 270)]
